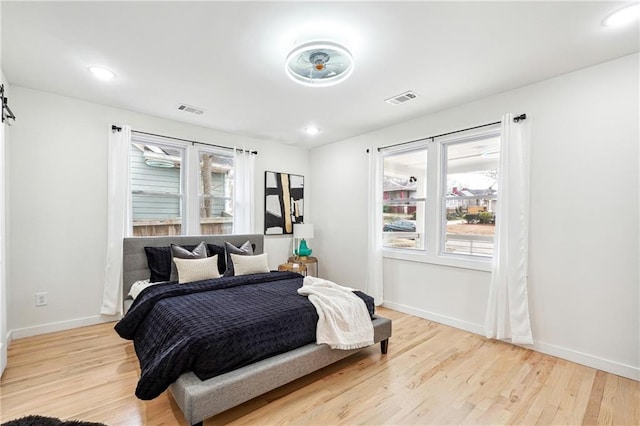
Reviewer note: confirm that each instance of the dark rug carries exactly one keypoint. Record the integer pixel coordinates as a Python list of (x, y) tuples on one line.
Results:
[(47, 421)]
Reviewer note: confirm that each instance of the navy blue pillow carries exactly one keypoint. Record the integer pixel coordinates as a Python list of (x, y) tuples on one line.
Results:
[(159, 262), (219, 250)]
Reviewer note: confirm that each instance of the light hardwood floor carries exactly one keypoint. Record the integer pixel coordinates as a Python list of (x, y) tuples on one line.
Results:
[(433, 374)]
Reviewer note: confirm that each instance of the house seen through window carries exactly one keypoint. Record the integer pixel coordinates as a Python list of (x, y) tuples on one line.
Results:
[(470, 198), (404, 195), (156, 189), (440, 197), (159, 198)]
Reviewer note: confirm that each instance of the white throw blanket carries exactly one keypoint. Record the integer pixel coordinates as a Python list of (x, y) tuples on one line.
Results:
[(344, 321)]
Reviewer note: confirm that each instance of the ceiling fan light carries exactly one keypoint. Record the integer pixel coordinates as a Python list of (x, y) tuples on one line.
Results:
[(319, 63)]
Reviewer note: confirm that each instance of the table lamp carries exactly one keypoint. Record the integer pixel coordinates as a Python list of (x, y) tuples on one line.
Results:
[(302, 231)]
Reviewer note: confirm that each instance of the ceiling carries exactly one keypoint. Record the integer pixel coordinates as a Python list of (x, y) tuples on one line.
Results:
[(228, 57)]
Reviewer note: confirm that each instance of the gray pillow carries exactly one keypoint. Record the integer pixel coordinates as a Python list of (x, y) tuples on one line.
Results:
[(245, 249), (199, 252)]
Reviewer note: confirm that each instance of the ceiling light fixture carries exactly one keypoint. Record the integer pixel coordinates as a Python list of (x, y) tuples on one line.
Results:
[(311, 130), (319, 63), (622, 16), (102, 73)]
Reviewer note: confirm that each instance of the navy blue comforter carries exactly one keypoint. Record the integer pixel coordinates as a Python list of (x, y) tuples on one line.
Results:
[(214, 326)]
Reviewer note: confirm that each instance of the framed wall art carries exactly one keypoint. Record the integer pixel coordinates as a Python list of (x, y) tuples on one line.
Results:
[(283, 202)]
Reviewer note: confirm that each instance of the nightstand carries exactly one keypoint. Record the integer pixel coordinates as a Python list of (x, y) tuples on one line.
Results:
[(293, 267), (310, 262)]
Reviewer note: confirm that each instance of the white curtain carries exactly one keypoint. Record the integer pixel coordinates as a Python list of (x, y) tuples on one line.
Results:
[(244, 192), (118, 217), (508, 307), (374, 228), (3, 256)]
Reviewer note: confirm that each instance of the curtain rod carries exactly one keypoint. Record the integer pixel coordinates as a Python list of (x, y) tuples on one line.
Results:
[(118, 129), (515, 119)]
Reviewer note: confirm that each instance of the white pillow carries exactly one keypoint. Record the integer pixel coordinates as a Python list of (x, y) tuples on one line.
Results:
[(245, 265), (190, 270)]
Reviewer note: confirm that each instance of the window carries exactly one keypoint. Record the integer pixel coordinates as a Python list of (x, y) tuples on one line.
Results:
[(470, 195), (178, 188), (216, 193), (404, 195), (156, 189), (439, 198)]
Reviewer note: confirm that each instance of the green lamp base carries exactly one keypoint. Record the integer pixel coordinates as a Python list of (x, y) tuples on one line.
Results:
[(303, 250)]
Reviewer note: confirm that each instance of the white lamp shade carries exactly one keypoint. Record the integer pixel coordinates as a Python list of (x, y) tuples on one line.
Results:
[(302, 230)]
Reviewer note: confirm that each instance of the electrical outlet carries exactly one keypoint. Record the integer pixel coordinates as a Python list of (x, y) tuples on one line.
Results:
[(41, 299)]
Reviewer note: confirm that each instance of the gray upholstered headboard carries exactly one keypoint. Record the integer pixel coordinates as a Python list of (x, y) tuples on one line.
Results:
[(134, 259)]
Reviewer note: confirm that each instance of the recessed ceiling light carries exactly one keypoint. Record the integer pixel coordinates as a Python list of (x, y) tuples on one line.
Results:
[(623, 16), (319, 64), (102, 73), (311, 130)]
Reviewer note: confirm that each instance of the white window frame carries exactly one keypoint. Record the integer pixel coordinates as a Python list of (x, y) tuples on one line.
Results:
[(189, 176), (139, 138), (443, 196), (402, 150), (435, 231), (202, 149)]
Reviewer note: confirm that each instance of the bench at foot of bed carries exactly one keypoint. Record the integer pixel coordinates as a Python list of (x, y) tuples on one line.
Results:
[(200, 399)]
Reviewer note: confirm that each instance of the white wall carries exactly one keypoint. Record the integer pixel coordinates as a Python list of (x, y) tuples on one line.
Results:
[(57, 202), (584, 254)]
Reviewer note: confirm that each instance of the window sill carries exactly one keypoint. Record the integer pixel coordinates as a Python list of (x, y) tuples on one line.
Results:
[(452, 261)]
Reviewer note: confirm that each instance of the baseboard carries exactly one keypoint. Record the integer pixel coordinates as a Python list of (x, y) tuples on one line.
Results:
[(592, 361), (441, 319), (19, 333), (612, 367)]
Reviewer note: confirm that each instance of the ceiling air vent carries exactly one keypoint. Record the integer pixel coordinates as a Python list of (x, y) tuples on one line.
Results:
[(191, 109), (401, 98)]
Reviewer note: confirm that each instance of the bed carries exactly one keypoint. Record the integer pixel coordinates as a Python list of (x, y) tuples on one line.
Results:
[(200, 398)]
